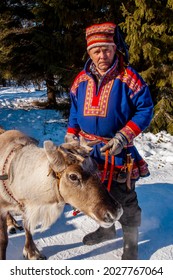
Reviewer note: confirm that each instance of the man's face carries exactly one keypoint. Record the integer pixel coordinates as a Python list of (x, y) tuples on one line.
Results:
[(102, 57)]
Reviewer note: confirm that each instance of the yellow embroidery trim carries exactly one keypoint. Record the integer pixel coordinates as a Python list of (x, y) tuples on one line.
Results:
[(101, 108)]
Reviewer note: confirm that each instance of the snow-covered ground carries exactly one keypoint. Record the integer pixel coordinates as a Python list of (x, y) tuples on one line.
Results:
[(63, 241)]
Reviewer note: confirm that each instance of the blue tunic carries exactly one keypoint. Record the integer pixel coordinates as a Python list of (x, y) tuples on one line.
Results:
[(122, 102)]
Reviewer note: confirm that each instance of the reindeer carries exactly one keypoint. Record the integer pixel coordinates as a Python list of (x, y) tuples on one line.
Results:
[(37, 183)]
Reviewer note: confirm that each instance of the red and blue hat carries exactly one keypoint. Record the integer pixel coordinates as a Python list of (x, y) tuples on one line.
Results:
[(100, 35)]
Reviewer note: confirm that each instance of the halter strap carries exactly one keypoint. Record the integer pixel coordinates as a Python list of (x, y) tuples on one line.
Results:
[(5, 176)]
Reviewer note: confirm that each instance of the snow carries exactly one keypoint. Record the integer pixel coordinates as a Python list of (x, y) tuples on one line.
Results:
[(63, 240)]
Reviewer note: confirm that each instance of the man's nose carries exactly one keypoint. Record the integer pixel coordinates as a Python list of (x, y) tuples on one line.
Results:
[(102, 55)]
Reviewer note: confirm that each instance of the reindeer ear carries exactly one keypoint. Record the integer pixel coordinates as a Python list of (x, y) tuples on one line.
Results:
[(55, 157), (90, 165)]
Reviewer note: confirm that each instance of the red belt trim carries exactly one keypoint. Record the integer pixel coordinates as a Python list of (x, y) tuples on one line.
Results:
[(92, 137)]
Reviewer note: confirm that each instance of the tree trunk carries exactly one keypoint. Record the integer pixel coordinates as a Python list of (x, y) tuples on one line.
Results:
[(51, 91), (4, 82)]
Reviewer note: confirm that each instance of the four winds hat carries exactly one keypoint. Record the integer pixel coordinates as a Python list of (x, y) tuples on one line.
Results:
[(100, 35)]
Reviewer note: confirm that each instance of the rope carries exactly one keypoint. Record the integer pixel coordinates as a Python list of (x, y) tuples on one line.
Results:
[(129, 161), (111, 173), (93, 137), (105, 166)]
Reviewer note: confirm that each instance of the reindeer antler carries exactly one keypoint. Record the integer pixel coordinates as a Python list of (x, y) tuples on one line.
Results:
[(88, 144), (79, 149)]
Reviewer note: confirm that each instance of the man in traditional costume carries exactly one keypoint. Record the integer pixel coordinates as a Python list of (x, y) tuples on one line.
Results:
[(111, 102)]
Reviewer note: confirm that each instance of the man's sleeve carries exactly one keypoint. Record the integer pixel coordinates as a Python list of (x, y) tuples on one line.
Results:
[(143, 113)]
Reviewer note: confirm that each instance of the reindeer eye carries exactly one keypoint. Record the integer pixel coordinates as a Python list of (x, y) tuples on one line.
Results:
[(73, 177)]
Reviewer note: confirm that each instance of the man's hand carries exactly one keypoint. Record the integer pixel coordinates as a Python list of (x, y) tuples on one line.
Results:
[(115, 145)]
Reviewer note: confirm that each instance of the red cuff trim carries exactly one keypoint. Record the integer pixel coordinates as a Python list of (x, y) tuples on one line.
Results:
[(72, 130), (134, 127), (130, 131)]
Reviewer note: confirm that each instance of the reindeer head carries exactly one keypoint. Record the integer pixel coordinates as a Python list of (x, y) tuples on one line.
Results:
[(80, 185)]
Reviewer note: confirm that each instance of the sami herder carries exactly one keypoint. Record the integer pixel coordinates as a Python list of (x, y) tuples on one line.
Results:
[(110, 101)]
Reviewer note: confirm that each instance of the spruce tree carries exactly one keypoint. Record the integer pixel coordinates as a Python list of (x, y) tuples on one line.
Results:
[(149, 33), (46, 39)]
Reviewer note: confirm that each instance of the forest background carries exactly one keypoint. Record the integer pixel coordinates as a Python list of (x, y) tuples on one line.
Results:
[(44, 41)]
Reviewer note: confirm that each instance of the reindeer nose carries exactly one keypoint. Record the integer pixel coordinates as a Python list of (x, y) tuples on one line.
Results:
[(108, 218), (112, 216)]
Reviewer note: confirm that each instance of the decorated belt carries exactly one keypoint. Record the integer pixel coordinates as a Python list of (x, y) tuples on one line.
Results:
[(93, 137)]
